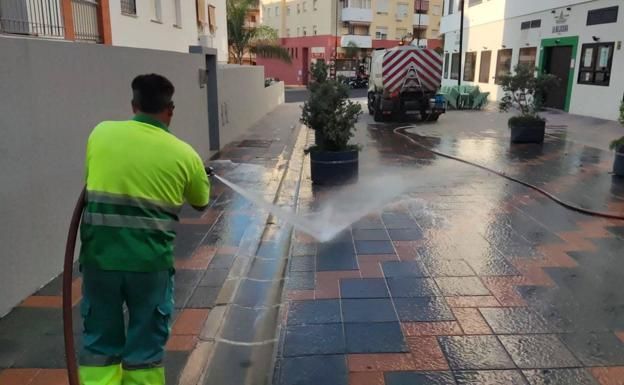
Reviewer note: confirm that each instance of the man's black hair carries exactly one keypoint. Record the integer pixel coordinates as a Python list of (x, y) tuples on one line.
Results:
[(151, 93)]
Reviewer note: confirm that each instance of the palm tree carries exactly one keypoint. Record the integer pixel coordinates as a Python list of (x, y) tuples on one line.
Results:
[(243, 38)]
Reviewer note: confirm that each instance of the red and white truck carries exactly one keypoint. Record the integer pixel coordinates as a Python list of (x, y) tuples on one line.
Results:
[(405, 80)]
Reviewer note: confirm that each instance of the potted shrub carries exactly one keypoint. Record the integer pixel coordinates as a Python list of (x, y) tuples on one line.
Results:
[(618, 146), (332, 116), (526, 91)]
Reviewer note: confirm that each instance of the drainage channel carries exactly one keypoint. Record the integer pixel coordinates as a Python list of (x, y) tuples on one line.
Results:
[(239, 338)]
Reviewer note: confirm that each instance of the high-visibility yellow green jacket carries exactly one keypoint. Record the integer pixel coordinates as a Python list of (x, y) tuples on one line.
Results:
[(138, 176)]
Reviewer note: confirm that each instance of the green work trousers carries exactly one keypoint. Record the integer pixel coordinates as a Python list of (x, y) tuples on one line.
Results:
[(110, 354)]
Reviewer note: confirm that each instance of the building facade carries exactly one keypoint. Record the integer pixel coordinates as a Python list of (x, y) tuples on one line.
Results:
[(170, 25), (580, 42), (344, 32)]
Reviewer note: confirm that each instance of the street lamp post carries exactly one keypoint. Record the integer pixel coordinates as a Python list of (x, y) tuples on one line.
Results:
[(461, 40)]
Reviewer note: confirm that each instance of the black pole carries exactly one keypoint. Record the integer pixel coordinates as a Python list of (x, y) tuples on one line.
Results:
[(461, 41)]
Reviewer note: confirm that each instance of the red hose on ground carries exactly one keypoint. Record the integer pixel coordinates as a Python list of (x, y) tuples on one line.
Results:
[(570, 206), (68, 266)]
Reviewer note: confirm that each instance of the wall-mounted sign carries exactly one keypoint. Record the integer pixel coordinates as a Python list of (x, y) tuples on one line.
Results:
[(317, 52), (561, 19), (560, 28)]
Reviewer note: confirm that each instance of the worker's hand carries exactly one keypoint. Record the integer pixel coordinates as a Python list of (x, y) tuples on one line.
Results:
[(209, 171)]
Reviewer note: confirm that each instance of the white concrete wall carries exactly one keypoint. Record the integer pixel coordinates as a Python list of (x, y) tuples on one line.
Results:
[(243, 99), (143, 31), (52, 94), (496, 31)]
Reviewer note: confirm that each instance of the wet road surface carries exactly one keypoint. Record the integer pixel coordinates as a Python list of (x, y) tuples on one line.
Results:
[(467, 278)]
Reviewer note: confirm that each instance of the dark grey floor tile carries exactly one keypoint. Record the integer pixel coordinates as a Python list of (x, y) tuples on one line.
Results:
[(313, 370), (303, 263), (475, 352), (214, 277), (490, 377), (538, 351), (559, 377), (203, 297), (385, 337), (314, 312), (374, 247), (392, 269), (368, 310), (517, 320), (221, 261), (423, 309), (413, 234), (370, 235), (596, 349), (419, 378), (300, 280), (308, 340), (174, 365), (448, 268), (363, 288), (412, 287), (461, 286)]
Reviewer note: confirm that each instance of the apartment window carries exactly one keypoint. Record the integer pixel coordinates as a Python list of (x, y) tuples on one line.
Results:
[(503, 63), (472, 3), (315, 5), (531, 24), (446, 65), (402, 11), (527, 57), (602, 16), (298, 8), (128, 7), (268, 12), (484, 67), (451, 9), (288, 10), (314, 30), (298, 31), (276, 11), (470, 66), (596, 62), (401, 33), (436, 10), (383, 6), (157, 10), (304, 7), (288, 33), (178, 13), (455, 66), (381, 33), (304, 31)]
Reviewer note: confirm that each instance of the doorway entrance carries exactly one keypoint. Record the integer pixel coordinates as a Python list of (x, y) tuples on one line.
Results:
[(557, 63), (557, 58)]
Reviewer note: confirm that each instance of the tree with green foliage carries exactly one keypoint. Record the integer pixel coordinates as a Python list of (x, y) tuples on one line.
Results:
[(526, 91), (329, 111), (244, 38)]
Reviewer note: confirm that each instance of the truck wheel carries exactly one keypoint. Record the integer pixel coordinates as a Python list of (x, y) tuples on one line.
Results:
[(432, 117), (378, 115)]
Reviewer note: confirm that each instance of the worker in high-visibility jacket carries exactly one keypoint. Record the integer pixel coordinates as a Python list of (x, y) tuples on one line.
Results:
[(138, 176)]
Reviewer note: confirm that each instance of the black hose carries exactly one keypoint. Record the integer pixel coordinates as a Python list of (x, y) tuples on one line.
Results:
[(68, 266), (570, 206)]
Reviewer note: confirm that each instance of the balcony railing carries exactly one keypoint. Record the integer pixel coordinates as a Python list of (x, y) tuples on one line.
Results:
[(361, 41), (357, 15), (421, 20)]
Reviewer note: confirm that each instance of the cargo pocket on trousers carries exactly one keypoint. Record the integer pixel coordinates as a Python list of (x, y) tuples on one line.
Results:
[(163, 318), (85, 312)]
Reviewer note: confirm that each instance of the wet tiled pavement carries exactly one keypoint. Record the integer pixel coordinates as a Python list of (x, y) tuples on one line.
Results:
[(467, 278), (209, 248)]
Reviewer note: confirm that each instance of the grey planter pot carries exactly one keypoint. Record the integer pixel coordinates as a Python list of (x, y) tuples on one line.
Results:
[(618, 162), (528, 133), (334, 168)]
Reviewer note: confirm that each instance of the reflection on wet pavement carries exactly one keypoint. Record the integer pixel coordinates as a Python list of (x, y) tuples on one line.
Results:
[(490, 282)]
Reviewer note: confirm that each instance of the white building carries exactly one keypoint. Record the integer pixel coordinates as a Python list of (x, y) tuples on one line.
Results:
[(579, 41), (171, 25)]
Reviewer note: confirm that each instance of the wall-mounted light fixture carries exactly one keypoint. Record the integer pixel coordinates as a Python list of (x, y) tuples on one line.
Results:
[(557, 41), (569, 8), (595, 38), (504, 46), (553, 11), (485, 48)]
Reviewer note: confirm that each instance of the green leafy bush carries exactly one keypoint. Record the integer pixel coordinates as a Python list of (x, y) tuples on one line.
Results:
[(526, 91), (618, 144), (329, 111)]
